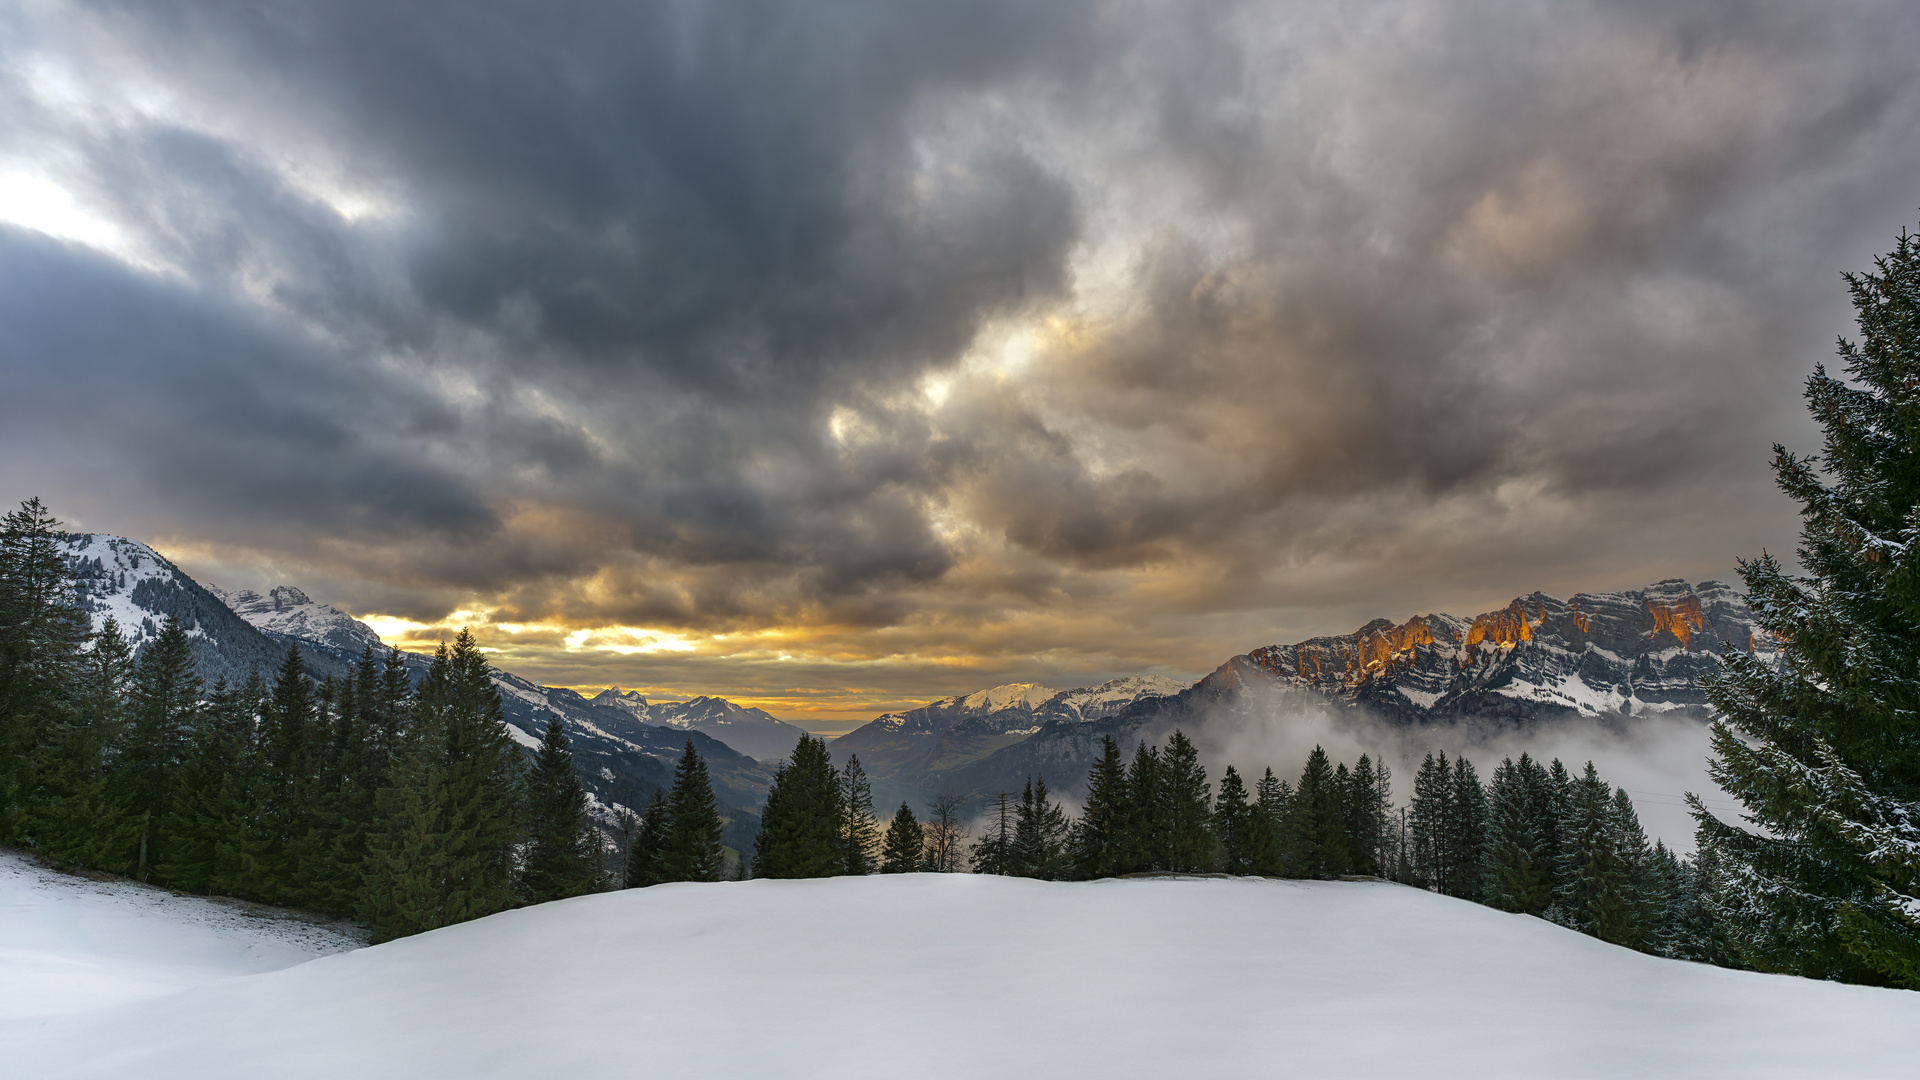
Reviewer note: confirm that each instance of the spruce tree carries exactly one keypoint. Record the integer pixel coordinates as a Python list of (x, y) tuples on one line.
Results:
[(166, 693), (902, 852), (643, 855), (1187, 812), (209, 812), (1821, 744), (77, 810), (1465, 837), (450, 819), (1319, 821), (1365, 816), (1039, 835), (563, 847), (1143, 831), (1431, 817), (1098, 839), (1267, 819), (42, 632), (1518, 874), (858, 829), (800, 824), (1231, 820), (993, 852), (1596, 895), (691, 849)]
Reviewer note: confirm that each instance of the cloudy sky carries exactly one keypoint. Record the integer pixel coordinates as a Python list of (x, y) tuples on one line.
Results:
[(832, 356)]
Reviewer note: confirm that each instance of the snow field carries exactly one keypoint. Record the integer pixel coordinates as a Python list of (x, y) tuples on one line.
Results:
[(71, 944), (964, 976)]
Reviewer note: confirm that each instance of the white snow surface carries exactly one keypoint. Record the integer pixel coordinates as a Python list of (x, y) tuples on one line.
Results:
[(1110, 696), (74, 945), (286, 610), (129, 562), (1007, 696), (961, 976)]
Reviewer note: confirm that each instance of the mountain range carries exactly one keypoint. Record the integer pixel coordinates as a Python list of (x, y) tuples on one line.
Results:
[(1598, 657)]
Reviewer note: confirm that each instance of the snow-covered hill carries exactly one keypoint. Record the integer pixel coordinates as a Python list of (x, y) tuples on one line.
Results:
[(286, 610), (72, 944), (960, 976)]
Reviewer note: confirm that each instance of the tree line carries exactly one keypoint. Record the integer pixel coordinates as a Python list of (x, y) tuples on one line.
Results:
[(406, 806)]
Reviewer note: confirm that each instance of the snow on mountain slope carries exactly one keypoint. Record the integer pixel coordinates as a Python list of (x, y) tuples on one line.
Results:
[(71, 944), (1109, 697), (754, 732), (287, 610), (925, 975)]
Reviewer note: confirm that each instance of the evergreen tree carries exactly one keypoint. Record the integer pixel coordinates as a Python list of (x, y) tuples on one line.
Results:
[(1823, 747), (42, 632), (211, 812), (692, 850), (1648, 885), (1694, 927), (563, 848), (78, 814), (1232, 817), (286, 750), (1039, 835), (902, 852), (800, 824), (1099, 837), (993, 852), (166, 693), (1430, 816), (1465, 838), (1143, 833), (1319, 821), (1596, 897), (858, 829), (451, 817), (1518, 873), (643, 855), (1187, 799), (1365, 819), (1267, 836)]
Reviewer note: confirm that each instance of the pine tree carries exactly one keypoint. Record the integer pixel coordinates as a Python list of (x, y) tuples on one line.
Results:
[(643, 855), (1231, 820), (208, 811), (286, 754), (78, 813), (166, 693), (1267, 818), (902, 850), (1039, 835), (1596, 897), (1098, 838), (993, 852), (1143, 832), (1431, 819), (563, 850), (1465, 837), (691, 850), (1518, 873), (1648, 886), (1822, 748), (445, 853), (1187, 801), (858, 829), (42, 632), (1319, 821), (800, 824), (1365, 822)]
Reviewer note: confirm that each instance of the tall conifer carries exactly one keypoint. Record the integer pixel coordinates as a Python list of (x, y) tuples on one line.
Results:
[(691, 849)]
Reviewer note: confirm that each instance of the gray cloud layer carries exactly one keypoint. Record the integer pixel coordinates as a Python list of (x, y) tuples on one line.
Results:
[(1227, 322)]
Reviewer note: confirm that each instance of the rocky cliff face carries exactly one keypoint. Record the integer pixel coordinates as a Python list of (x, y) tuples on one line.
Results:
[(1605, 657), (286, 610), (1621, 653)]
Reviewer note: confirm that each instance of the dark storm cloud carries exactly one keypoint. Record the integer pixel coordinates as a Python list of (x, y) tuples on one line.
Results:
[(733, 314)]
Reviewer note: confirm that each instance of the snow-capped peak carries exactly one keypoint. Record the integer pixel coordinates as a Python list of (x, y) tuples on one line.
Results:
[(107, 571), (1012, 695), (1092, 702), (286, 610)]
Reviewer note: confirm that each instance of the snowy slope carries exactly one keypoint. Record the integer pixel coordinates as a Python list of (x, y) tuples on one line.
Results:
[(754, 732), (286, 610), (969, 977), (71, 944)]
